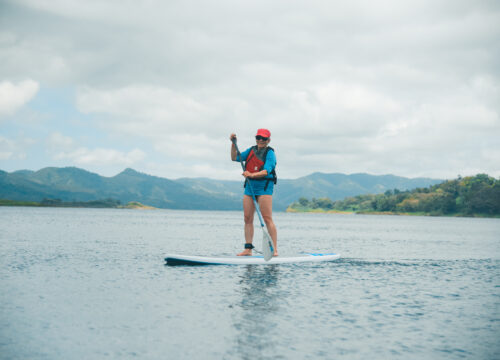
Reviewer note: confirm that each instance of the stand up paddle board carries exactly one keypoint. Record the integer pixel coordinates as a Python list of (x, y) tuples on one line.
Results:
[(246, 260)]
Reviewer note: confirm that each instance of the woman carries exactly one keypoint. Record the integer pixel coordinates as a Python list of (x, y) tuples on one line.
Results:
[(260, 162)]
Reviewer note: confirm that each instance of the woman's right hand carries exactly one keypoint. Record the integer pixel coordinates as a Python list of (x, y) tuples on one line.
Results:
[(232, 136)]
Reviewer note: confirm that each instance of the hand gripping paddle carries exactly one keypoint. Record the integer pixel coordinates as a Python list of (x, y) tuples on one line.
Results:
[(267, 243)]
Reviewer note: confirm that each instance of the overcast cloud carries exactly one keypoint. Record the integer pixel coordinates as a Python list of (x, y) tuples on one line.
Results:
[(404, 87)]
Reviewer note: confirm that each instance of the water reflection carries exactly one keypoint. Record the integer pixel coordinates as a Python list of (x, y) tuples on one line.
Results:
[(255, 318)]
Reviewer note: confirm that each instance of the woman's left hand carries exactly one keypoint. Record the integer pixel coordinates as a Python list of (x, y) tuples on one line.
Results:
[(247, 174)]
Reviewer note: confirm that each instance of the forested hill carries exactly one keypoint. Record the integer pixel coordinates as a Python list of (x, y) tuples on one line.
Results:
[(71, 184), (469, 196)]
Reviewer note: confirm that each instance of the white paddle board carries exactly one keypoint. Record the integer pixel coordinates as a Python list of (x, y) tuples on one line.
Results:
[(246, 260)]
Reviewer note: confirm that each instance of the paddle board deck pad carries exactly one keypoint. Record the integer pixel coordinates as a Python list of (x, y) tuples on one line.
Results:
[(246, 260)]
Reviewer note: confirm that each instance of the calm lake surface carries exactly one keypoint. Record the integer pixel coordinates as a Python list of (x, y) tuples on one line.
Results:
[(92, 284)]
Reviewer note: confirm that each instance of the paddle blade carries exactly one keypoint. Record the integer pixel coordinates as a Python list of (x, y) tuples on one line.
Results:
[(267, 246)]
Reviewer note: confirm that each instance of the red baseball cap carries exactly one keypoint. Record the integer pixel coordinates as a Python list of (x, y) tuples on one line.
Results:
[(264, 133)]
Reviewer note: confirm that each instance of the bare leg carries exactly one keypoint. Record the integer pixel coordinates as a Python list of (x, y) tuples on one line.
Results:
[(266, 208), (248, 212)]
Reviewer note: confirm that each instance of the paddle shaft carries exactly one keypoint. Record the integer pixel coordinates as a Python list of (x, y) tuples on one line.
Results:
[(249, 184)]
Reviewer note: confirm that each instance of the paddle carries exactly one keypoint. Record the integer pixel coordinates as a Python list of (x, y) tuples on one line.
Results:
[(267, 243)]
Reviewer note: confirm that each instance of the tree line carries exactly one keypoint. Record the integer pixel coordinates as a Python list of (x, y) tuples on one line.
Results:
[(103, 203), (468, 196)]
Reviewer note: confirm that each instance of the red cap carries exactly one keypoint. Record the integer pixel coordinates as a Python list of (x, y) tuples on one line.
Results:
[(264, 132)]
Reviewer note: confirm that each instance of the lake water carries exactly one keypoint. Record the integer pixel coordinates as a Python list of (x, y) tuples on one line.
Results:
[(92, 284)]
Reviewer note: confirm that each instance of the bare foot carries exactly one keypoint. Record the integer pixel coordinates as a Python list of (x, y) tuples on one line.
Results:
[(275, 253), (246, 252)]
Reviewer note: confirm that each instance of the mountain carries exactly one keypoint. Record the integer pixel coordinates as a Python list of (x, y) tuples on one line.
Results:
[(74, 184)]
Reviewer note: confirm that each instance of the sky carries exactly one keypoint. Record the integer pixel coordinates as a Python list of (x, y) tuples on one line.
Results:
[(410, 88)]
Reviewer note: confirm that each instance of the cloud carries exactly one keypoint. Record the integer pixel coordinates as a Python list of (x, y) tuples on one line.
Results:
[(145, 102), (14, 96), (353, 126), (6, 148), (100, 156), (15, 149), (115, 43), (405, 87), (58, 141), (176, 124), (64, 147)]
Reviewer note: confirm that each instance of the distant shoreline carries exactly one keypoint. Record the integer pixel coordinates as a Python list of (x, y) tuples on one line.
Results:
[(340, 212), (94, 204)]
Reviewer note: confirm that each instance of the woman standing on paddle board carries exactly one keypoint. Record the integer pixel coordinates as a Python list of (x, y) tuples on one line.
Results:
[(260, 162)]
